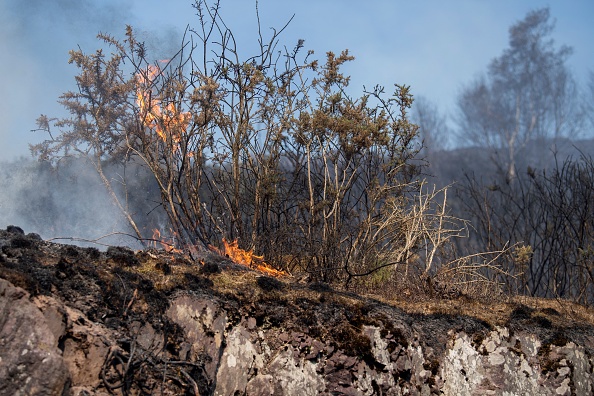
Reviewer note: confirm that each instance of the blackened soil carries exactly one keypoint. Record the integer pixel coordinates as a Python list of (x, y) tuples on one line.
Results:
[(121, 286)]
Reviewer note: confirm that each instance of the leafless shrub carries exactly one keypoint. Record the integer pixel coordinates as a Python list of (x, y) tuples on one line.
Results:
[(269, 150), (478, 275), (427, 260), (548, 213)]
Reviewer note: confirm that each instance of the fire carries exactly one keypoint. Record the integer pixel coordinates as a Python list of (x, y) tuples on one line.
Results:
[(247, 258), (230, 249), (163, 119), (167, 244)]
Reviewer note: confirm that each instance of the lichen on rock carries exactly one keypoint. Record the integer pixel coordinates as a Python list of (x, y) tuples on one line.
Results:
[(82, 322)]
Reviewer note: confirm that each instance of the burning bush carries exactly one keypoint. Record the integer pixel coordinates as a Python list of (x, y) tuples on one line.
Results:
[(268, 150)]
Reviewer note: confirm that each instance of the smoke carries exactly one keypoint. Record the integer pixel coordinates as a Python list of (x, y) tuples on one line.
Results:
[(56, 204), (35, 38), (70, 203)]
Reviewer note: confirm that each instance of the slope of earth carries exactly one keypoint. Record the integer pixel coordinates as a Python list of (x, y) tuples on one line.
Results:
[(77, 321)]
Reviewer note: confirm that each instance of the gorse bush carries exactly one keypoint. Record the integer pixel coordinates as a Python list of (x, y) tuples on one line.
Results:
[(269, 149)]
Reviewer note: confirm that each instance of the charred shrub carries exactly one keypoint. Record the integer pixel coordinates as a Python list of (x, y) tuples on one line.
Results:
[(368, 147), (15, 230)]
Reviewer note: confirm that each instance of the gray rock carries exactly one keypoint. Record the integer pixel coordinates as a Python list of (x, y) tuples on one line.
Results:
[(30, 362), (90, 326)]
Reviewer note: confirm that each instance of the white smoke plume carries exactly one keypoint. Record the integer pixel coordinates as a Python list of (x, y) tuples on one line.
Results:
[(35, 37)]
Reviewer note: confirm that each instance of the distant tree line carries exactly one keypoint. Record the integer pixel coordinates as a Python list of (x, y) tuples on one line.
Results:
[(523, 176)]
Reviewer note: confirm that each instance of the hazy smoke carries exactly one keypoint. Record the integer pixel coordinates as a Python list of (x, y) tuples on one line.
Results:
[(35, 37), (71, 202)]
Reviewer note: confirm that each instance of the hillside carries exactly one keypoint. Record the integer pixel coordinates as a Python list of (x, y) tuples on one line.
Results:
[(84, 322)]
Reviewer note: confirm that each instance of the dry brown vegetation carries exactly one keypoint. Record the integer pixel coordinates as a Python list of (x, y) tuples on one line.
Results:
[(269, 150)]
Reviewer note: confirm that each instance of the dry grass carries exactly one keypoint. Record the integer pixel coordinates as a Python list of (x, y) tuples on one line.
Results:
[(497, 310), (560, 313)]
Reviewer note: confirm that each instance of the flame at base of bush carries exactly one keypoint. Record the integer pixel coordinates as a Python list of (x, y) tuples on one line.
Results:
[(230, 249), (167, 244), (246, 258)]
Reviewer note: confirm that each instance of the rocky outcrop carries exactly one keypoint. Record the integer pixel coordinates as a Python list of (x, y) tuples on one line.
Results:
[(82, 322), (516, 365), (30, 361)]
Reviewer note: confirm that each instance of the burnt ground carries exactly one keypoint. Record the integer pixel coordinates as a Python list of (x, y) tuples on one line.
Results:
[(121, 288)]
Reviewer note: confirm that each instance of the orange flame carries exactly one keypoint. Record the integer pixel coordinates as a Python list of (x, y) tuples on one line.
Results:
[(247, 258), (167, 244), (162, 119), (230, 249)]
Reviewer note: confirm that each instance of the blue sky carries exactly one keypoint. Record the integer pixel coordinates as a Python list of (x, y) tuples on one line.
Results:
[(434, 46)]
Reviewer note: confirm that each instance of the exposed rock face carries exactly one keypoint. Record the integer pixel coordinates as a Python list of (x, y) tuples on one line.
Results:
[(82, 322), (516, 365), (30, 361)]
